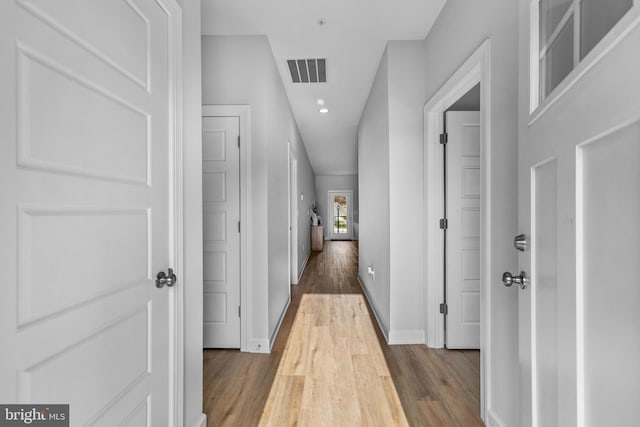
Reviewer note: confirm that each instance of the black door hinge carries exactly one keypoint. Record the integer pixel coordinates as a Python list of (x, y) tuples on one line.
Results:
[(444, 138), (444, 224), (444, 309)]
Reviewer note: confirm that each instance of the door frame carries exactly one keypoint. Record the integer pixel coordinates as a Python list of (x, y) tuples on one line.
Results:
[(293, 217), (177, 198), (476, 69), (243, 112), (329, 221)]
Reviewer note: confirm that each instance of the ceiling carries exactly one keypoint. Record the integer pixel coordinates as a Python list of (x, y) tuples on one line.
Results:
[(352, 39)]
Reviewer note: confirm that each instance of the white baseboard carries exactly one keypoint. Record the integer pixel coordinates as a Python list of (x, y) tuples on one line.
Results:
[(383, 329), (201, 422), (304, 265), (406, 336), (277, 329), (493, 420), (258, 345)]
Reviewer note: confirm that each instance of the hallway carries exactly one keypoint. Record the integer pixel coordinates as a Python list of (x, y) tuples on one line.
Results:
[(331, 366)]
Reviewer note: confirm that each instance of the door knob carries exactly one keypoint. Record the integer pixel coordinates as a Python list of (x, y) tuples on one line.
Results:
[(508, 279), (167, 278)]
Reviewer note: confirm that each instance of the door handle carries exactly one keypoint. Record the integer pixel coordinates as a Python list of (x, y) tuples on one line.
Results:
[(168, 278), (508, 279)]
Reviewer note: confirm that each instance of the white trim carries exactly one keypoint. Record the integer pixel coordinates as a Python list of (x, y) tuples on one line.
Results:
[(246, 271), (274, 335), (493, 420), (477, 69), (176, 219), (406, 336), (258, 345), (304, 265), (383, 329), (202, 421)]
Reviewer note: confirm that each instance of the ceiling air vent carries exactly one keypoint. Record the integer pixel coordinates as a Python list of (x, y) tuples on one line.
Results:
[(308, 70)]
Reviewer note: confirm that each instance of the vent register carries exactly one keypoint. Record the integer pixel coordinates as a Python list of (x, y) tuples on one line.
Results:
[(308, 70)]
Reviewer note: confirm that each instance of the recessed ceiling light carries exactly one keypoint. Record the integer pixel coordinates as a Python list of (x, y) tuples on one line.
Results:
[(324, 110), (320, 101)]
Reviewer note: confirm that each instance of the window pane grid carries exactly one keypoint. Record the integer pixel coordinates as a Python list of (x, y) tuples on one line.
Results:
[(567, 31)]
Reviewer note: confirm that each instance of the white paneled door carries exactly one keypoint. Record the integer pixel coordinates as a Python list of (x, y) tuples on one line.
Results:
[(463, 229), (579, 208), (221, 213), (85, 207)]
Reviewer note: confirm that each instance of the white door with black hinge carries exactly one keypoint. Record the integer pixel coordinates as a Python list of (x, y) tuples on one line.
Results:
[(221, 213), (579, 210), (86, 208), (462, 269)]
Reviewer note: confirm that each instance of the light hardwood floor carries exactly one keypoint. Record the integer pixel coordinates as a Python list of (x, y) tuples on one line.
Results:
[(330, 365)]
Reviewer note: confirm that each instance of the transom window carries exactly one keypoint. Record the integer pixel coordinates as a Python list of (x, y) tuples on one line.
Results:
[(567, 31)]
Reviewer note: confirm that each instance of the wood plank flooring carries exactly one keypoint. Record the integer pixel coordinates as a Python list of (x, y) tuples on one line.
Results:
[(330, 366)]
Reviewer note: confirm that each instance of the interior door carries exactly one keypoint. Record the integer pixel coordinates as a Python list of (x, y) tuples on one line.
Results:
[(579, 206), (85, 208), (463, 230), (340, 215), (221, 198)]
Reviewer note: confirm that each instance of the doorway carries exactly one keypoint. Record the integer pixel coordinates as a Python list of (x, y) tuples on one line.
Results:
[(475, 71), (339, 215), (226, 142), (461, 225)]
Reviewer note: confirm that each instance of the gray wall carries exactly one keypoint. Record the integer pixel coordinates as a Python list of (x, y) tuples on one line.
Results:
[(406, 129), (242, 70), (390, 170), (326, 183), (460, 29), (373, 177)]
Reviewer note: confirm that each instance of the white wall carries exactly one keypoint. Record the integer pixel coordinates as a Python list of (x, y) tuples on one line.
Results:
[(460, 29), (390, 171), (241, 70), (192, 152), (282, 131), (373, 177), (326, 183), (406, 99)]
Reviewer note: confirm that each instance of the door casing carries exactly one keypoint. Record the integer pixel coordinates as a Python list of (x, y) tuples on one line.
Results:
[(475, 70)]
